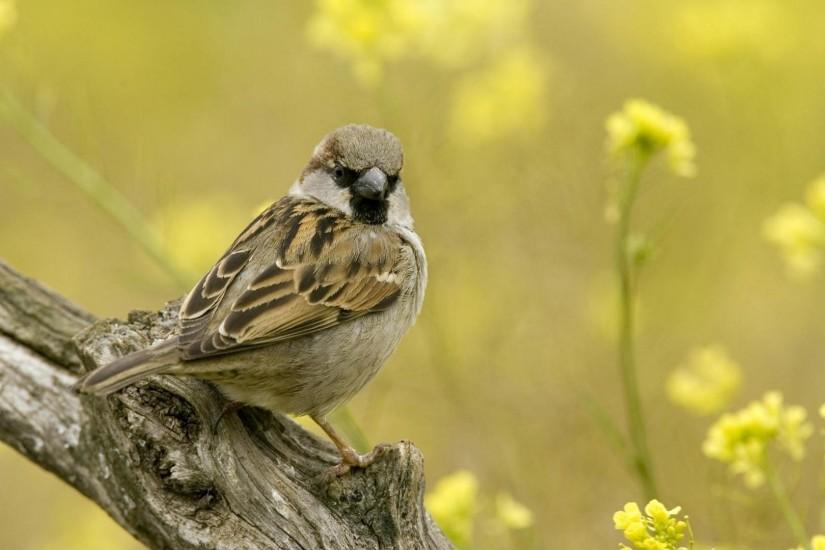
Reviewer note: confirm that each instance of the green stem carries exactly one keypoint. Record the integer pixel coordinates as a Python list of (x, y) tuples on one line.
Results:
[(603, 420), (691, 537), (781, 494), (89, 182), (627, 365)]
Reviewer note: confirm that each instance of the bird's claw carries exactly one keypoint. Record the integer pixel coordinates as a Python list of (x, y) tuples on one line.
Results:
[(351, 459)]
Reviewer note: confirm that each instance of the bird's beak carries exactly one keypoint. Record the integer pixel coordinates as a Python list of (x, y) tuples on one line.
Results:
[(371, 185)]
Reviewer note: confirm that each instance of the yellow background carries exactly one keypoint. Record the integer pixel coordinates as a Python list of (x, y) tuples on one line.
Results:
[(201, 112)]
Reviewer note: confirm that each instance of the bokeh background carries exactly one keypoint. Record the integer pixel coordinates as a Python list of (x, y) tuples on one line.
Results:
[(200, 113)]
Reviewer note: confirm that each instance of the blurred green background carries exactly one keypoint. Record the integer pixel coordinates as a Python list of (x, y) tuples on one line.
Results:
[(202, 112)]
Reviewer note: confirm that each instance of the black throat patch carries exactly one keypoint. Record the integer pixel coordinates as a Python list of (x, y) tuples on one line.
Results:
[(373, 212)]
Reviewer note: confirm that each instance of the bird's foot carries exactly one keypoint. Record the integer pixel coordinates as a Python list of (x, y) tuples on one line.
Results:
[(351, 459)]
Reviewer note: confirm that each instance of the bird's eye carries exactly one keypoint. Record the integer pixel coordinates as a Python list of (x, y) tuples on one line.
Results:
[(342, 175)]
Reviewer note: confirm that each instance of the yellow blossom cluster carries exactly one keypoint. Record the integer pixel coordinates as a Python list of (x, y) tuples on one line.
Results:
[(642, 127), (799, 231), (455, 504), (741, 439), (372, 33), (367, 33), (706, 382), (500, 83), (656, 529)]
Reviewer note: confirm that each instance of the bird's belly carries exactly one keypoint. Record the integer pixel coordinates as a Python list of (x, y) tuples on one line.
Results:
[(313, 374)]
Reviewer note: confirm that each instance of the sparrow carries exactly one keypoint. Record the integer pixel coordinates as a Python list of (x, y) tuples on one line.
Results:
[(310, 299)]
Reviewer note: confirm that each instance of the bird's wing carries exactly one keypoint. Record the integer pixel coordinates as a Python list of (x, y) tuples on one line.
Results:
[(299, 268)]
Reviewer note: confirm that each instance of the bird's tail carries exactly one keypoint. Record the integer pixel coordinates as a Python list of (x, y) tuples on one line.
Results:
[(129, 369)]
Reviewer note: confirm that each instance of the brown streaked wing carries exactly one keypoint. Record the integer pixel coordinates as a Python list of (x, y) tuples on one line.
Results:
[(211, 288), (200, 304), (328, 271)]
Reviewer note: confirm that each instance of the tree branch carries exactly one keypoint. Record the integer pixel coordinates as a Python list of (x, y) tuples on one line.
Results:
[(150, 457)]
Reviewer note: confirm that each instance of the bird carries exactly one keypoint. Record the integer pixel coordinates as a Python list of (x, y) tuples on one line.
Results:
[(311, 298)]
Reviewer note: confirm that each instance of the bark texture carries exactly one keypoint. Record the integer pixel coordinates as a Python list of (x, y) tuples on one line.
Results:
[(155, 457)]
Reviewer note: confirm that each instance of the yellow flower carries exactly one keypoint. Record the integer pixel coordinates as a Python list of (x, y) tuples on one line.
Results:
[(371, 33), (8, 15), (657, 529), (512, 514), (449, 33), (741, 439), (368, 33), (504, 99), (630, 521), (453, 505), (643, 127), (504, 94), (800, 236), (706, 383)]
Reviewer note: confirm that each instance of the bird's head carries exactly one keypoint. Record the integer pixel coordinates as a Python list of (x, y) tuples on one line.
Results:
[(357, 169)]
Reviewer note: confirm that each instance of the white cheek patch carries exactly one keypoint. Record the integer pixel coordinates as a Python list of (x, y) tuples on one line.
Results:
[(398, 213), (341, 201), (320, 186)]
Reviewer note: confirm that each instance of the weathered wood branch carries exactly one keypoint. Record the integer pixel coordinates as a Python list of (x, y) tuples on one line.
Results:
[(152, 459)]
